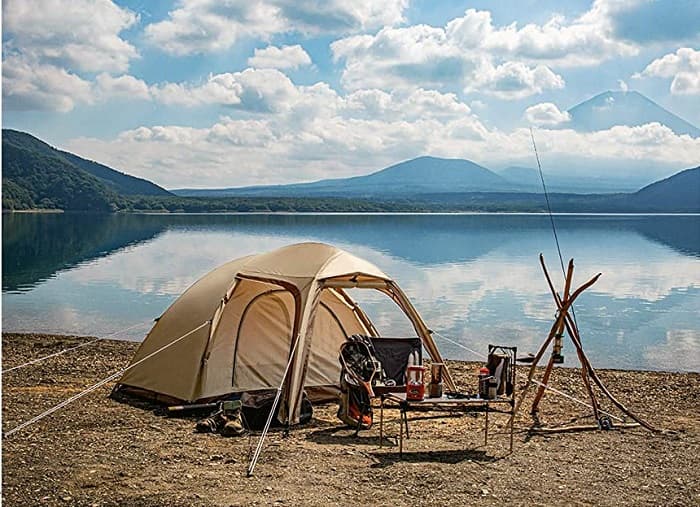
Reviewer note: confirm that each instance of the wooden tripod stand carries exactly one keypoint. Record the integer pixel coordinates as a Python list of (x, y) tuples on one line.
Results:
[(564, 321)]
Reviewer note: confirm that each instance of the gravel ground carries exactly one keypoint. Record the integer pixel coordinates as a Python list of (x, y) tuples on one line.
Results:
[(101, 452)]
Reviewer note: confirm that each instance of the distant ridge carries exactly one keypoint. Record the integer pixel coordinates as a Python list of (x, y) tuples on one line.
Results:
[(679, 193), (630, 108), (419, 175)]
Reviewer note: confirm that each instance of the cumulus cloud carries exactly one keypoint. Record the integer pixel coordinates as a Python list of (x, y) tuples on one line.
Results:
[(515, 80), (683, 66), (260, 90), (469, 45), (32, 86), (424, 56), (49, 45), (285, 57), (124, 86), (199, 26), (582, 41), (472, 53), (77, 34), (546, 114)]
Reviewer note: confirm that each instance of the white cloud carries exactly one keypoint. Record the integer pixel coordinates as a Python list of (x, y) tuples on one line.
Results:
[(77, 34), (33, 86), (258, 90), (199, 26), (683, 66), (50, 44), (515, 80), (583, 41), (546, 114), (686, 83), (471, 53), (516, 57), (418, 104), (285, 57), (124, 86)]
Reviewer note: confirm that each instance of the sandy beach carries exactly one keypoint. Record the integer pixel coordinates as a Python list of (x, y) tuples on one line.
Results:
[(102, 452)]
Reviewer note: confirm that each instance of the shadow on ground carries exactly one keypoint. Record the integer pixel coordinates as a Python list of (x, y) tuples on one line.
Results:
[(385, 459)]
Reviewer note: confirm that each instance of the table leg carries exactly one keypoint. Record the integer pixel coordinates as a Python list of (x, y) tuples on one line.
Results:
[(381, 421), (405, 420), (512, 416), (401, 434), (486, 426)]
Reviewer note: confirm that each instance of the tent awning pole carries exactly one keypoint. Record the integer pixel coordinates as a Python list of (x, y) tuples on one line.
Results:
[(258, 448)]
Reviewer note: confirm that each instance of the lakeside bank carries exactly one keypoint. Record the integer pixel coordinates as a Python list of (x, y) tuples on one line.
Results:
[(101, 452)]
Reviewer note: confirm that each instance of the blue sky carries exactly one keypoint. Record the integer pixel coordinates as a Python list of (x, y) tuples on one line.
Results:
[(204, 93)]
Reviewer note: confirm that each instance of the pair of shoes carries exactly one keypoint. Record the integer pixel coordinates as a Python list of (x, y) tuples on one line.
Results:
[(211, 424), (226, 420), (233, 427), (234, 422)]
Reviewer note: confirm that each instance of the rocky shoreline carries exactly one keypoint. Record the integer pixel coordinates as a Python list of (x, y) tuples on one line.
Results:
[(101, 452)]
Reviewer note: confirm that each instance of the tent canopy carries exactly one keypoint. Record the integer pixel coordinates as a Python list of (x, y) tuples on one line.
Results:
[(257, 309)]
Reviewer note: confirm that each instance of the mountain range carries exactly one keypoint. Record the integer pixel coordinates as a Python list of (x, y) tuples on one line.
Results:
[(35, 175), (426, 175), (417, 176)]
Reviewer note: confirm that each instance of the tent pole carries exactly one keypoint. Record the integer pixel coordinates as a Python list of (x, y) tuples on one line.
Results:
[(258, 448)]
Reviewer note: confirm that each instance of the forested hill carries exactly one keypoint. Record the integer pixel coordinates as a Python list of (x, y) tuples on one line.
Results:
[(36, 175)]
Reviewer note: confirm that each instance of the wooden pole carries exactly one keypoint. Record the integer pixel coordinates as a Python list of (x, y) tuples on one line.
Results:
[(568, 429), (562, 313), (575, 337), (542, 389), (565, 320), (560, 329)]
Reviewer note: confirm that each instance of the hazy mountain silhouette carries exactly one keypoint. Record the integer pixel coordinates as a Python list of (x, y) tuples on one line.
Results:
[(419, 175), (629, 108)]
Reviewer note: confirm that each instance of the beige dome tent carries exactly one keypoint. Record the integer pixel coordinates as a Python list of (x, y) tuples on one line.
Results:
[(253, 308)]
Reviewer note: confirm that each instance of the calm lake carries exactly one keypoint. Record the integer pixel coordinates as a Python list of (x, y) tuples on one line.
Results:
[(475, 278)]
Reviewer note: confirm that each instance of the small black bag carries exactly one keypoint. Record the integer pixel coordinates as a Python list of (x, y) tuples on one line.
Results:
[(257, 406)]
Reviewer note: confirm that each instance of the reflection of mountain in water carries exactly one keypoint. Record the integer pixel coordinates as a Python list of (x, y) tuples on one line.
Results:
[(35, 247), (682, 233), (441, 239)]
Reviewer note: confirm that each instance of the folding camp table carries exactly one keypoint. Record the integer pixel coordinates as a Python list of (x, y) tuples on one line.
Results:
[(446, 404)]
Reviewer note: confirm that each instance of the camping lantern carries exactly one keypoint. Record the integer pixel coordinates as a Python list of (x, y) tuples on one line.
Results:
[(415, 385)]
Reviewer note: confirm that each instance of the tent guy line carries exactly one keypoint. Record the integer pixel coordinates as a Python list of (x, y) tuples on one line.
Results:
[(100, 383), (40, 359)]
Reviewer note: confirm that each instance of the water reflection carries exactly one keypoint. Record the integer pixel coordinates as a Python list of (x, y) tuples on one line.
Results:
[(474, 278), (35, 247)]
